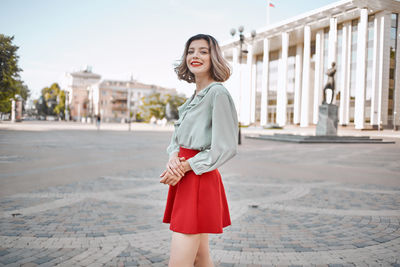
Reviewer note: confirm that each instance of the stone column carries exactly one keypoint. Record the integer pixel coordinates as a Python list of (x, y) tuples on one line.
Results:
[(384, 67), (253, 90), (344, 82), (281, 104), (234, 80), (375, 77), (397, 78), (12, 110), (332, 41), (305, 90), (359, 109), (264, 89), (246, 87), (297, 84), (318, 77)]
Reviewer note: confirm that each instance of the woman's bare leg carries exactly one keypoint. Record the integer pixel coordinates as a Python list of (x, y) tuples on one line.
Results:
[(203, 258), (183, 249)]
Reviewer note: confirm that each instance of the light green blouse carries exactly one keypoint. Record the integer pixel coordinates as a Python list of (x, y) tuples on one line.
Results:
[(207, 122)]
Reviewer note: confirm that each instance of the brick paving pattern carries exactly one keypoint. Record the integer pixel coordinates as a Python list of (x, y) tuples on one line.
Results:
[(115, 220)]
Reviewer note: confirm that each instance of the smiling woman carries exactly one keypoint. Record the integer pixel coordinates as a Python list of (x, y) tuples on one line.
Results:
[(205, 137), (219, 69)]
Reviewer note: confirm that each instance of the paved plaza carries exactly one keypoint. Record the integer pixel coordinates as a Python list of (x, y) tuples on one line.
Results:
[(74, 196)]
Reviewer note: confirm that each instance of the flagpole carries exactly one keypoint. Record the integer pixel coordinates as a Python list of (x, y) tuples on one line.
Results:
[(268, 7)]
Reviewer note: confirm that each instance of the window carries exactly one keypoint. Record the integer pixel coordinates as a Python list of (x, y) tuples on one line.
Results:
[(369, 59), (273, 70)]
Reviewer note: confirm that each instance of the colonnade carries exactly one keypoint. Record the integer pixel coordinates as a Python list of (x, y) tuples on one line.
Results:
[(308, 83)]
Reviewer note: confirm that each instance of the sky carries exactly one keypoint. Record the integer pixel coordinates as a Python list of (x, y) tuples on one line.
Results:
[(123, 38)]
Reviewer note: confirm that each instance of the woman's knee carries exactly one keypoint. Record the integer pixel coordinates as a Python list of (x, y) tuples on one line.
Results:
[(183, 249), (203, 260), (203, 257)]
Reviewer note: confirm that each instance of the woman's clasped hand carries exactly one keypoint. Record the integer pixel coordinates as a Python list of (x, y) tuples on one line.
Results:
[(175, 170)]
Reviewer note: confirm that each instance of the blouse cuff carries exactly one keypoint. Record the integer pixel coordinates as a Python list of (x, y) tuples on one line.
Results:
[(193, 166), (173, 151)]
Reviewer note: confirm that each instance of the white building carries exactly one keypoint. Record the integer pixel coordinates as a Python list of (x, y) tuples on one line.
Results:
[(78, 93), (281, 78)]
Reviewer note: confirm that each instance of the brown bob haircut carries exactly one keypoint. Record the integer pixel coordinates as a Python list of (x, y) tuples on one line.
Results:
[(219, 70)]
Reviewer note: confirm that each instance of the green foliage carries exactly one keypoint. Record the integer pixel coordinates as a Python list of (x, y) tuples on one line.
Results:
[(155, 105), (138, 117), (173, 102), (60, 108), (10, 83), (52, 101)]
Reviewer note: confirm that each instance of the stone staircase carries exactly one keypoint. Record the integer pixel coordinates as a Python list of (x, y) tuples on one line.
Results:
[(312, 139)]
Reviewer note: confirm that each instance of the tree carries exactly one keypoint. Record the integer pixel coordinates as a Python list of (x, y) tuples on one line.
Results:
[(155, 105), (60, 108), (52, 101), (173, 102), (10, 83)]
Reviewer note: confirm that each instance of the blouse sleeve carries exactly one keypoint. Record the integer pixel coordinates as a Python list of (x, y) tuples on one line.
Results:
[(173, 146), (224, 137)]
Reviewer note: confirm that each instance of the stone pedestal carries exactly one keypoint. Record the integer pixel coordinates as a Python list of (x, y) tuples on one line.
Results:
[(18, 110), (327, 120), (12, 110)]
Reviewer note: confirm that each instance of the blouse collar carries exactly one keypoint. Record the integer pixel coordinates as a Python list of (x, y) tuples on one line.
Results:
[(192, 102), (205, 90)]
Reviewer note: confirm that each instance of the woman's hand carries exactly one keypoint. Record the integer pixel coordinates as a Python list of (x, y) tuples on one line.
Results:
[(175, 166), (186, 166), (168, 177)]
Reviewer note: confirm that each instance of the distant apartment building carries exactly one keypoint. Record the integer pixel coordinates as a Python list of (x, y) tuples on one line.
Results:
[(280, 79), (89, 96), (78, 93), (114, 98)]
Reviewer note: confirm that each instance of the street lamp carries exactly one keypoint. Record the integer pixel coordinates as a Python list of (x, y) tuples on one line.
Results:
[(66, 105), (129, 107), (241, 42)]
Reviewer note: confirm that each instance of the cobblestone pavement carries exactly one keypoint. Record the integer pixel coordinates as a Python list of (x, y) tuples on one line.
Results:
[(115, 219)]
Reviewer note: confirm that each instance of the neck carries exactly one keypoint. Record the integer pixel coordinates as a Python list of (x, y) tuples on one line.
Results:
[(202, 82)]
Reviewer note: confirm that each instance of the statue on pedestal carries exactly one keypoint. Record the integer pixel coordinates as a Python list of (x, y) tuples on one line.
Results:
[(330, 84), (328, 112)]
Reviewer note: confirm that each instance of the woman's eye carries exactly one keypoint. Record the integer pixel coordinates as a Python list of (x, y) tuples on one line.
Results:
[(190, 52), (204, 52)]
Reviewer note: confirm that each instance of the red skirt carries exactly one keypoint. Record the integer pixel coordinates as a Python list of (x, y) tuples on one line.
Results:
[(197, 203)]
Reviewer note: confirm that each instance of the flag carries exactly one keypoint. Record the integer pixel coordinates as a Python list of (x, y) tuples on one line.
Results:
[(269, 5)]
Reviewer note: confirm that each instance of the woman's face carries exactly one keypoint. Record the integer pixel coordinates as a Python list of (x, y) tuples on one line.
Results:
[(198, 57)]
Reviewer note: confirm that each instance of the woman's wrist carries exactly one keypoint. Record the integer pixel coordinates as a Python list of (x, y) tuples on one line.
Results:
[(186, 166)]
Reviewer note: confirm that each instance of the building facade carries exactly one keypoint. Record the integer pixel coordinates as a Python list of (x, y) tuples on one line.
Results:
[(88, 96), (280, 79), (78, 94), (113, 99)]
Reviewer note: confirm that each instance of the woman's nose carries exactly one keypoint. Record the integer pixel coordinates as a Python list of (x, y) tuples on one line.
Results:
[(195, 55)]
